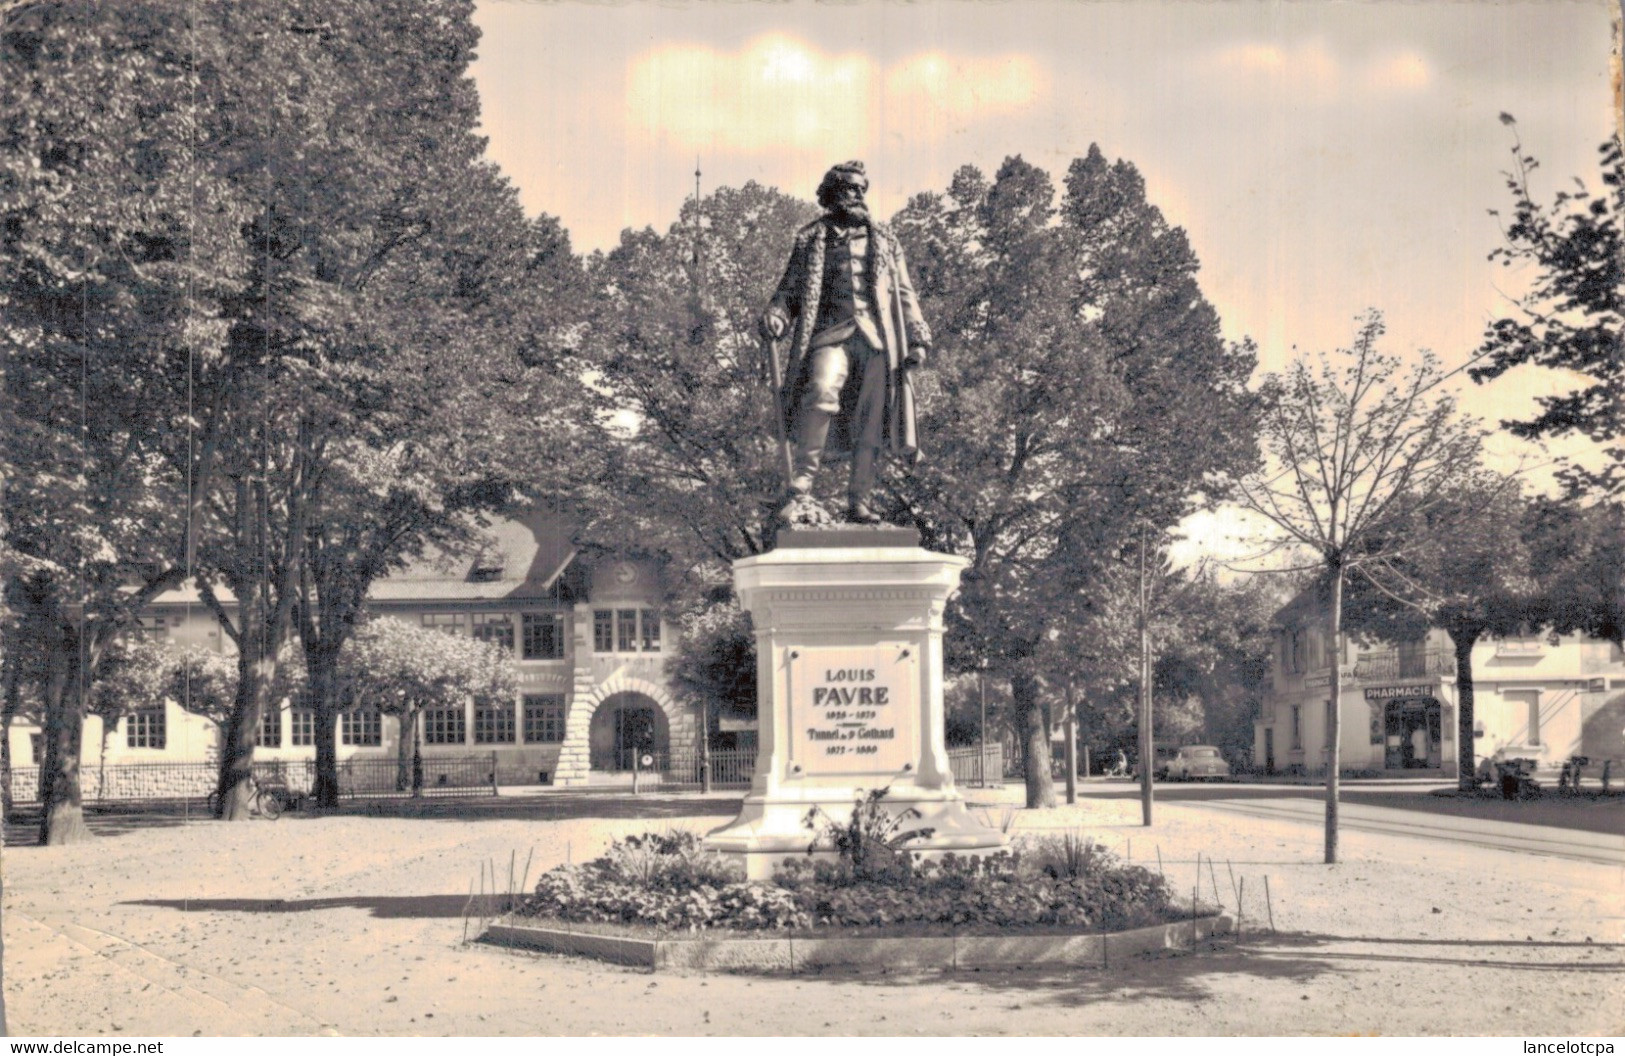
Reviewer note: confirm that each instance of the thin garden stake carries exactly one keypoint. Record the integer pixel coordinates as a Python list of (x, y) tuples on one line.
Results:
[(1214, 874), (1268, 904), (524, 878), (1159, 861), (1233, 886), (468, 907), (1240, 916)]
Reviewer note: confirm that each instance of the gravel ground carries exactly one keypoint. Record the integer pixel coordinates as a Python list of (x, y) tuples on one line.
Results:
[(354, 925)]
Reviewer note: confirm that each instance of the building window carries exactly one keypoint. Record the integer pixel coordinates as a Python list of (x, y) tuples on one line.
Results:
[(301, 727), (493, 724), (36, 748), (544, 636), (618, 630), (544, 718), (154, 628), (494, 627), (1297, 728), (145, 729), (363, 728), (444, 726), (450, 622), (271, 728)]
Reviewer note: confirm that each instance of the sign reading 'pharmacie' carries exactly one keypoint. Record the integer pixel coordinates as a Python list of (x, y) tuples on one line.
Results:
[(1425, 689), (853, 710)]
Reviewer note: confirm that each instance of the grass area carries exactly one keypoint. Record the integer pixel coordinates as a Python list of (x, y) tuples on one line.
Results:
[(1588, 811)]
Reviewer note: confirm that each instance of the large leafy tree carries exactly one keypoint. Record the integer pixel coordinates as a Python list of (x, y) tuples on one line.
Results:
[(1462, 565), (477, 406), (116, 248), (1571, 316), (1081, 396), (387, 368), (1577, 559), (1358, 446)]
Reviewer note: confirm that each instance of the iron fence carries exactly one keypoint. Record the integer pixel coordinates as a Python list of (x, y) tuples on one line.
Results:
[(971, 767), (358, 778), (685, 771)]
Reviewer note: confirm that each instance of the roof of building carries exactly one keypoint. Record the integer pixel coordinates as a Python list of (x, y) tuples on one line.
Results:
[(520, 556)]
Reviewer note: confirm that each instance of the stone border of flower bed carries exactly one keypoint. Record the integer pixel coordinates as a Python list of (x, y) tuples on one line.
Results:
[(1087, 950)]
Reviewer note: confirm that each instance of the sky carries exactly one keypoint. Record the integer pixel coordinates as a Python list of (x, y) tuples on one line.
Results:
[(1324, 157)]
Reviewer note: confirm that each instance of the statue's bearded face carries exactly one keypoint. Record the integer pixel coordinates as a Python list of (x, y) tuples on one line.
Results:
[(843, 197)]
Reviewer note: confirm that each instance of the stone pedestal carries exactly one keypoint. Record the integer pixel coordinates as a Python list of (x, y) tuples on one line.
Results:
[(849, 690)]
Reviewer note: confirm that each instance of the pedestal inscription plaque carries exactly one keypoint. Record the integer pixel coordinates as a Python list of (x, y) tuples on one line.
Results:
[(849, 710)]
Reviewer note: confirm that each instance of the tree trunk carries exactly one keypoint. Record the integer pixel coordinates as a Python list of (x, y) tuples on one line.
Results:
[(403, 750), (1035, 755), (1147, 731), (256, 668), (417, 755), (1464, 638), (1334, 714), (322, 695), (62, 812), (13, 696)]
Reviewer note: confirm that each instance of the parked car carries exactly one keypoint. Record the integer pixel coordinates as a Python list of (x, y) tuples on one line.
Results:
[(1198, 762), (1161, 756)]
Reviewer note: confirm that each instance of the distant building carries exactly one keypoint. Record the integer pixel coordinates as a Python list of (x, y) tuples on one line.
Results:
[(1542, 696), (589, 646)]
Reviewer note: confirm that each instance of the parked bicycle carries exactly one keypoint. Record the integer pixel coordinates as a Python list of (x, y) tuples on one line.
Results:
[(268, 799)]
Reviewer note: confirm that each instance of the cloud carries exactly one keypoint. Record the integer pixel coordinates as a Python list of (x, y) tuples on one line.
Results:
[(780, 93), (936, 92), (1309, 65), (1400, 71), (1311, 73), (775, 93)]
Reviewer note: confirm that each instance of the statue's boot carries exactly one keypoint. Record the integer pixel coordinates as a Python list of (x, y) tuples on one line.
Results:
[(860, 485), (812, 432)]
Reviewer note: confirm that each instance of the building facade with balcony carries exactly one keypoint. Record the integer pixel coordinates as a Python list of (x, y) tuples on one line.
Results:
[(1539, 696), (589, 649)]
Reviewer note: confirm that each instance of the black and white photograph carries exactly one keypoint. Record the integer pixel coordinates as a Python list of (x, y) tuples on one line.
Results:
[(812, 518)]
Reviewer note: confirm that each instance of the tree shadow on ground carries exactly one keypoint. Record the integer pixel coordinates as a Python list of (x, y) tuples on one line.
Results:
[(553, 806), (22, 827), (1185, 975), (115, 819), (384, 907)]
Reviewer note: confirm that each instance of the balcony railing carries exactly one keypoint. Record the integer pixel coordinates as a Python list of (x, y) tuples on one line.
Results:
[(1389, 664)]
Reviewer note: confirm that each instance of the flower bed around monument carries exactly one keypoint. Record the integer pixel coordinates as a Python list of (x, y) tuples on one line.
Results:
[(668, 884)]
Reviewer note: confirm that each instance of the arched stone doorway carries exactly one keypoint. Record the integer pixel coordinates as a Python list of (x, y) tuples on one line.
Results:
[(625, 726)]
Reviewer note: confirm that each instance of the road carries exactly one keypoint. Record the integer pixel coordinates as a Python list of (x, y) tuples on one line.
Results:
[(1405, 810)]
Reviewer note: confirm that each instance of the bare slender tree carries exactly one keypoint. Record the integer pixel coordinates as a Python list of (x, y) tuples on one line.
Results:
[(1356, 447)]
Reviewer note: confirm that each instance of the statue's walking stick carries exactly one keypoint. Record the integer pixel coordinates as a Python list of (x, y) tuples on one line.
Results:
[(776, 379)]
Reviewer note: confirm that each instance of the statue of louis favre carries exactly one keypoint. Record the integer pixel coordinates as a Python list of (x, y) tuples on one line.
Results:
[(855, 335)]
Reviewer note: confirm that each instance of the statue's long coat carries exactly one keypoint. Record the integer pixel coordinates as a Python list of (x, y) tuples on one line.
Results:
[(901, 326)]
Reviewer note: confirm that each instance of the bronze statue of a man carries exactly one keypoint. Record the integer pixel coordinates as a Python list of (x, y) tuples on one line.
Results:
[(856, 333)]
